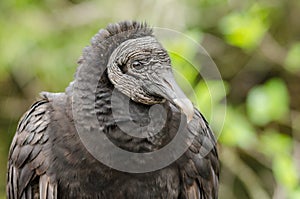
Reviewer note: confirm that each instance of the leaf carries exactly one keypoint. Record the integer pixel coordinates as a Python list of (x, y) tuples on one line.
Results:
[(279, 147), (295, 194), (273, 143), (285, 172), (245, 29), (292, 62), (183, 70), (269, 102), (237, 130), (208, 95)]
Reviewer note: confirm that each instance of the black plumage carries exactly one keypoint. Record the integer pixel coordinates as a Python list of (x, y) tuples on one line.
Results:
[(47, 158)]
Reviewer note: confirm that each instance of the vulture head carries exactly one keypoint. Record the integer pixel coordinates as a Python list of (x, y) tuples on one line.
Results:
[(140, 68)]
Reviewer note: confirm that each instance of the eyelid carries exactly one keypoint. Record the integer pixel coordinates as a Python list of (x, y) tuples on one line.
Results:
[(145, 60), (136, 61)]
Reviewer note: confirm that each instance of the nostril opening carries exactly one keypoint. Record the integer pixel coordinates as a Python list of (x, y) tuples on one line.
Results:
[(170, 85)]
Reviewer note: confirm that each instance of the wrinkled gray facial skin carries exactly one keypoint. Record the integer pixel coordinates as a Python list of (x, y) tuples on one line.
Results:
[(141, 69)]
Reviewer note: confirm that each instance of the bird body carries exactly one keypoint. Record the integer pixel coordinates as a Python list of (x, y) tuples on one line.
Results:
[(49, 160)]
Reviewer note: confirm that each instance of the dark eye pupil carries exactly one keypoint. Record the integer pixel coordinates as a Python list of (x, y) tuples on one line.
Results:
[(137, 65)]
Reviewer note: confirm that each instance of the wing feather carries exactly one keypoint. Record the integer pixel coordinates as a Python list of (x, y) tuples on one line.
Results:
[(28, 158), (199, 165)]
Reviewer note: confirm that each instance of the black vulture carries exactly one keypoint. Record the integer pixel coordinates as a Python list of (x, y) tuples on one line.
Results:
[(48, 158)]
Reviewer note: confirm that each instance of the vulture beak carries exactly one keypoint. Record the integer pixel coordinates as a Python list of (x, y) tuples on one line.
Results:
[(167, 88)]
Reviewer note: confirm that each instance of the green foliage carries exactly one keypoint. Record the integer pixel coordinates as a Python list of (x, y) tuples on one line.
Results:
[(279, 147), (208, 95), (211, 2), (269, 102), (292, 62), (286, 172), (237, 131), (245, 28), (275, 144), (182, 53), (182, 68)]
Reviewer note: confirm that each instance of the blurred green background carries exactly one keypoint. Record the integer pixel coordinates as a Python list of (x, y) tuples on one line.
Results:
[(255, 45)]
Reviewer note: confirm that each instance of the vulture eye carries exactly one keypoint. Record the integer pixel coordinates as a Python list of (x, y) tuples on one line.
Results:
[(137, 65)]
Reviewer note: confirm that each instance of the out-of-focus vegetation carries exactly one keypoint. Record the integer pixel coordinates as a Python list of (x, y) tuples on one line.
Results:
[(255, 45)]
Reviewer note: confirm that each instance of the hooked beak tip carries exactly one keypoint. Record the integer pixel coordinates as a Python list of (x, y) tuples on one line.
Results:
[(167, 88), (186, 107)]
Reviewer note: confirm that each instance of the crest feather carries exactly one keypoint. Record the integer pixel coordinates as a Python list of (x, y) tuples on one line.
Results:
[(95, 56), (122, 31)]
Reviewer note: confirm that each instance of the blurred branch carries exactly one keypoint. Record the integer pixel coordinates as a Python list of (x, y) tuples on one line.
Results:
[(253, 184), (272, 50), (279, 193)]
